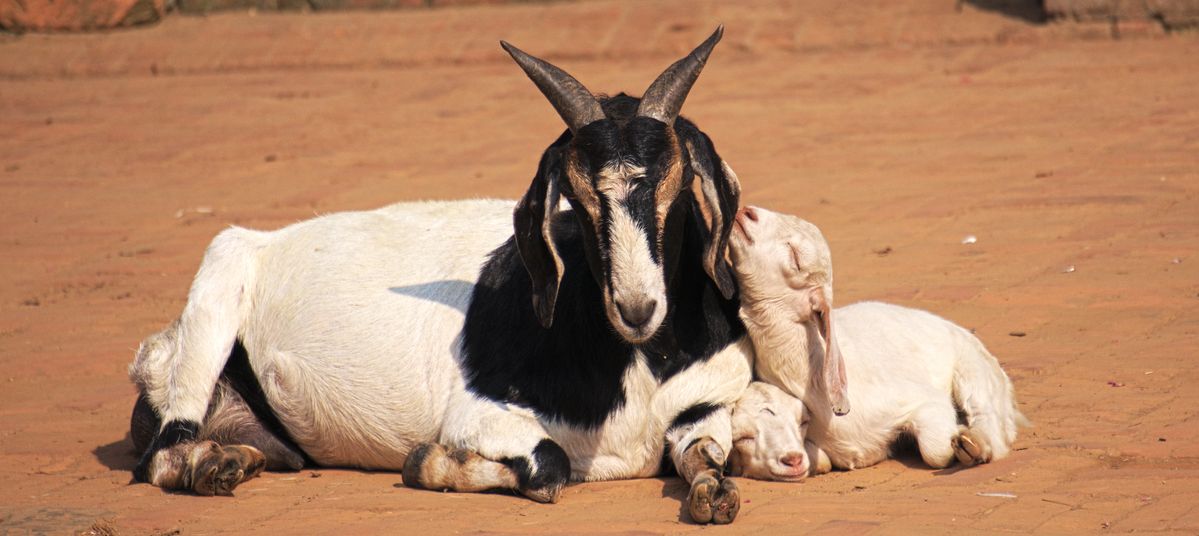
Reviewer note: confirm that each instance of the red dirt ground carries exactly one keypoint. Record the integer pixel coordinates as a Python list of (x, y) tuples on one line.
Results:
[(899, 129)]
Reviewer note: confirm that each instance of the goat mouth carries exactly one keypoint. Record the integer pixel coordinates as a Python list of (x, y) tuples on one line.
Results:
[(637, 335), (788, 476), (739, 225)]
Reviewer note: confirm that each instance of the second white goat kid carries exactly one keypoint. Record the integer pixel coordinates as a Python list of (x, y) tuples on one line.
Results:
[(901, 370), (769, 431)]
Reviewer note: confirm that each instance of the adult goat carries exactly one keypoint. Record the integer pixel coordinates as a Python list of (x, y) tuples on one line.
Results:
[(596, 341)]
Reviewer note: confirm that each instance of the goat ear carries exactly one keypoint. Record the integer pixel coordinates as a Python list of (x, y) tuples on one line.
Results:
[(833, 368), (721, 195), (533, 222)]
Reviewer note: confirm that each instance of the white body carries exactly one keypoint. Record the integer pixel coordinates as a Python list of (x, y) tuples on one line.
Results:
[(895, 369), (908, 371), (352, 322)]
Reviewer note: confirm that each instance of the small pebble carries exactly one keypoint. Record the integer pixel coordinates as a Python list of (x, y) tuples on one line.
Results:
[(970, 239), (1068, 269)]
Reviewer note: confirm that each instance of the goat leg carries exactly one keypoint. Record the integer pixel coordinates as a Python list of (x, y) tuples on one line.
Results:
[(713, 498)]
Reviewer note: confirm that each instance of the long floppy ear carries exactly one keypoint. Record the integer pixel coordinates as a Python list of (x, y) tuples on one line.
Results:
[(833, 368), (721, 196), (533, 222)]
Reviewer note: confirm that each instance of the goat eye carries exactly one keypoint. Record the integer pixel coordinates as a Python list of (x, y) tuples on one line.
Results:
[(795, 258), (768, 411)]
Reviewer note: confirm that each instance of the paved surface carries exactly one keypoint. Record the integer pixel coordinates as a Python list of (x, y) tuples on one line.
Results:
[(896, 129)]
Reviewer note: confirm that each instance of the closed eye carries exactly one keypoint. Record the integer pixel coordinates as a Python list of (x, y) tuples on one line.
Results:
[(768, 411)]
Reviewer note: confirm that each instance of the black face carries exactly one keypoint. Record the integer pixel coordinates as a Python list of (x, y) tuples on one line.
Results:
[(623, 178), (626, 166)]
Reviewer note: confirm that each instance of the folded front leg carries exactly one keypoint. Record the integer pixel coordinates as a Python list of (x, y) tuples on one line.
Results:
[(699, 441), (205, 467), (490, 445)]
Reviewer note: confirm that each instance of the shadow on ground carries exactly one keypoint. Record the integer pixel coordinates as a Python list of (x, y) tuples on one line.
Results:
[(118, 455), (1026, 10)]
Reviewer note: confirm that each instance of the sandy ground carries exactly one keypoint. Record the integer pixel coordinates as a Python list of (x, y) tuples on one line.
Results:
[(899, 130)]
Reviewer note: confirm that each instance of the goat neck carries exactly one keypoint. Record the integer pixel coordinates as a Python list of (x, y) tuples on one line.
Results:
[(783, 347)]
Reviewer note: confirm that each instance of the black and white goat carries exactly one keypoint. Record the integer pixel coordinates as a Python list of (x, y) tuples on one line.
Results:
[(592, 345)]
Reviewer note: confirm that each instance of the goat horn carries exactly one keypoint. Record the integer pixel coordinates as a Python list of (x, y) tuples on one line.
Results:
[(574, 103), (664, 98)]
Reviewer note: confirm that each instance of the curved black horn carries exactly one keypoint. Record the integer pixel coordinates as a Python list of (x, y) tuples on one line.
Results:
[(664, 98), (574, 103)]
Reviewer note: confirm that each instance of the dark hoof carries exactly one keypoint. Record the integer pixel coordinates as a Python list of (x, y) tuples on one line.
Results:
[(553, 472), (220, 470), (548, 495), (727, 503), (970, 451), (414, 465), (713, 500)]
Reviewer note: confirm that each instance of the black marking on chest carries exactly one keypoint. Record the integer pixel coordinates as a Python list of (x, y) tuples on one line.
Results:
[(572, 372)]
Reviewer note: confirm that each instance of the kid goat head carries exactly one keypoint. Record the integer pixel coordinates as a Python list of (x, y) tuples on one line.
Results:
[(626, 166)]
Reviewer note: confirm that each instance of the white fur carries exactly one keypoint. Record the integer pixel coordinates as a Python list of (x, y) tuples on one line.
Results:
[(907, 370), (769, 429), (636, 278), (358, 353)]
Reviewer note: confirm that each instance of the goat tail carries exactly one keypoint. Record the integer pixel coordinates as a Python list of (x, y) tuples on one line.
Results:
[(984, 394), (176, 369)]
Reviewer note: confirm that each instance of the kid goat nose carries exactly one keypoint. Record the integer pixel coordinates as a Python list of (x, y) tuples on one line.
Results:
[(792, 459)]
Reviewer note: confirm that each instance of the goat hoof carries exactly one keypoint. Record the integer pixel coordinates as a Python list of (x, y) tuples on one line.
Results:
[(417, 473), (727, 503), (547, 495), (219, 470), (970, 451), (713, 500), (699, 499)]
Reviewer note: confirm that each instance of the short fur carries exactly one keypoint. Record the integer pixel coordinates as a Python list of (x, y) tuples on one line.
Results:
[(370, 365), (908, 371), (353, 323), (770, 428)]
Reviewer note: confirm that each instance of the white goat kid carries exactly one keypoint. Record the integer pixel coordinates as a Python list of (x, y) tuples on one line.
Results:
[(769, 437), (900, 370)]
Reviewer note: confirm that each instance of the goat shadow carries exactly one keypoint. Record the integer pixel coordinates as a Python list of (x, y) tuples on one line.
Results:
[(1032, 11), (118, 455), (676, 488), (907, 452), (451, 292)]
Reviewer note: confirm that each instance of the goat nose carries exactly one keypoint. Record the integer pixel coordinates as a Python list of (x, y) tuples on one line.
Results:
[(793, 459), (638, 312), (751, 213)]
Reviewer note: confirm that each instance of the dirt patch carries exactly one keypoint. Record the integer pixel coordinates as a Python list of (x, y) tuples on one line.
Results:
[(901, 132)]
